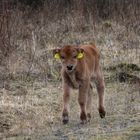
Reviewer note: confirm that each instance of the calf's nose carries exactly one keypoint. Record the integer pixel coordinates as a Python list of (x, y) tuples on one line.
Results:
[(69, 67)]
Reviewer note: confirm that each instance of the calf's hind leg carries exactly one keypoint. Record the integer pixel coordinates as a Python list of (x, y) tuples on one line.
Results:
[(100, 89), (89, 102)]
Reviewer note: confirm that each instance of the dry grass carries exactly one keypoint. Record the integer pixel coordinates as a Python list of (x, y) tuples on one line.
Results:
[(30, 84), (36, 113)]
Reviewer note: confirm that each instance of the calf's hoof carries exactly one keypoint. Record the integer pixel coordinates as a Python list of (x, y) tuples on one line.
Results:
[(65, 118), (83, 118), (88, 117), (102, 112)]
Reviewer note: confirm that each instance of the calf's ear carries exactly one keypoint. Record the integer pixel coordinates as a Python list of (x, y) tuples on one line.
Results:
[(56, 53), (80, 54)]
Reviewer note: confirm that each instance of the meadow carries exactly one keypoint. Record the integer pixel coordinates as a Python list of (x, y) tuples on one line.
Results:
[(30, 81)]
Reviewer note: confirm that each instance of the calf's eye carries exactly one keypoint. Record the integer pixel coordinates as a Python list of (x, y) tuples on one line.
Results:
[(62, 57), (75, 56)]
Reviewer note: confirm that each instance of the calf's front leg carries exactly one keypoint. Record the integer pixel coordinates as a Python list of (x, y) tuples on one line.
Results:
[(82, 99), (66, 97)]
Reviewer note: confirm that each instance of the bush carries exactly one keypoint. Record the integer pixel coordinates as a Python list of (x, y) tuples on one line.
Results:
[(34, 4)]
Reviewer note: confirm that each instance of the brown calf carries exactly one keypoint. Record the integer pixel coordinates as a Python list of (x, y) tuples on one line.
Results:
[(80, 66)]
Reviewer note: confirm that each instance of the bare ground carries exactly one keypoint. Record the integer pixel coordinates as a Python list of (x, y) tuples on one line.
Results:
[(32, 110)]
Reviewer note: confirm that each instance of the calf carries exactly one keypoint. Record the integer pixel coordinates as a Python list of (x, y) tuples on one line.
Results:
[(80, 66)]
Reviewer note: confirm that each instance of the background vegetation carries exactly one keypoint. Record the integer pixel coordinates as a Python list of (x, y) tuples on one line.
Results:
[(30, 83)]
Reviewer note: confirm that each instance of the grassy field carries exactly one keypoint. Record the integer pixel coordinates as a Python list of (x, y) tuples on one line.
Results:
[(32, 110), (30, 82)]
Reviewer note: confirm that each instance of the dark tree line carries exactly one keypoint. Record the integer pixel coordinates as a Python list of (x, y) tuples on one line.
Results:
[(104, 8), (99, 8)]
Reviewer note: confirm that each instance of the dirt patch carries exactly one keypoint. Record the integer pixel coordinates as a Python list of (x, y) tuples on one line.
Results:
[(37, 114)]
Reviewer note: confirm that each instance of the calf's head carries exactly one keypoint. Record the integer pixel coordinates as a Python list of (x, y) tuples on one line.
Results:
[(69, 56)]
